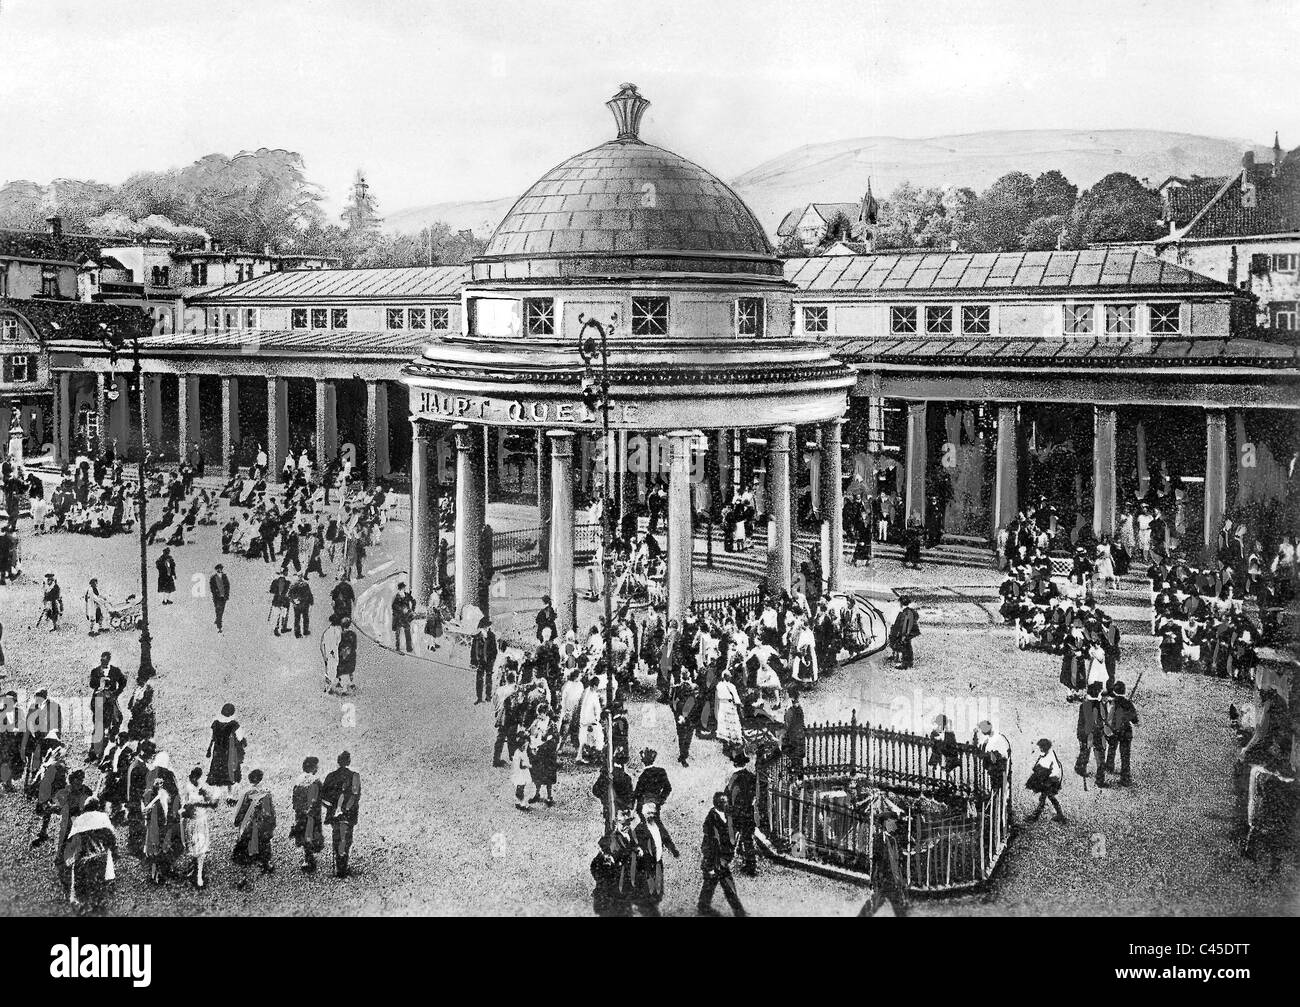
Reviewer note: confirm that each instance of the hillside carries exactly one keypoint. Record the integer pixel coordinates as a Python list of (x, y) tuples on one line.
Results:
[(837, 170)]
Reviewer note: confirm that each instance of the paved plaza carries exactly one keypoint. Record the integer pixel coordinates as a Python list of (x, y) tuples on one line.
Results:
[(439, 832)]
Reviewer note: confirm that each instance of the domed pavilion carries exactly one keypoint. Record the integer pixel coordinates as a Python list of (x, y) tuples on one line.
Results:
[(630, 249)]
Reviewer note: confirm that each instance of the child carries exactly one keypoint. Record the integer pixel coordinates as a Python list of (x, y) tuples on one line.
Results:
[(519, 766), (1045, 781)]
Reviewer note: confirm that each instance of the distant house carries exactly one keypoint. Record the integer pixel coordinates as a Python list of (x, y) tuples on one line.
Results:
[(809, 224), (1243, 230)]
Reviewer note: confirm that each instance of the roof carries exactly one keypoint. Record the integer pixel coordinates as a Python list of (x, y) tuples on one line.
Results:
[(44, 246), (1185, 201), (1088, 269), (843, 247), (1276, 209), (628, 206), (345, 342), (345, 284), (829, 211), (1066, 351)]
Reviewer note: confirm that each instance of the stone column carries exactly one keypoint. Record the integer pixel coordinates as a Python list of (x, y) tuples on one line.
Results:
[(544, 496), (63, 419), (187, 413), (681, 538), (331, 420), (120, 413), (1104, 423), (1006, 481), (101, 415), (277, 423), (153, 410), (376, 430), (323, 457), (917, 450), (778, 507), (832, 500), (722, 452), (561, 530), (1216, 475), (469, 513), (229, 421), (424, 508)]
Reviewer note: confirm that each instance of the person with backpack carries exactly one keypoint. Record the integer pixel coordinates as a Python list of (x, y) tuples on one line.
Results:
[(1121, 718)]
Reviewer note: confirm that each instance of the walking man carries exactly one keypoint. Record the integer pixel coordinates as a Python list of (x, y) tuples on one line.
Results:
[(1091, 734), (51, 602), (1121, 718), (741, 790), (482, 658), (341, 798), (716, 852), (306, 832), (906, 628), (279, 592), (403, 612), (300, 597), (219, 588)]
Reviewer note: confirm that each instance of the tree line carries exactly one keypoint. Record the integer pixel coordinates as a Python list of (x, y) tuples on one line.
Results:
[(1016, 213), (255, 200)]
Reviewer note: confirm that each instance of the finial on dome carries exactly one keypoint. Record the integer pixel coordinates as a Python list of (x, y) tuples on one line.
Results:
[(628, 106)]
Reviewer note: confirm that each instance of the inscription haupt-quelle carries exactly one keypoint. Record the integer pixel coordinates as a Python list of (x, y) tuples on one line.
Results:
[(471, 407)]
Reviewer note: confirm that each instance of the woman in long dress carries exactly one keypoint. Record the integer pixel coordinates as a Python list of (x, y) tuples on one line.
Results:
[(226, 750), (143, 720), (596, 574), (196, 800), (728, 713), (1104, 570), (591, 732), (95, 608), (90, 854)]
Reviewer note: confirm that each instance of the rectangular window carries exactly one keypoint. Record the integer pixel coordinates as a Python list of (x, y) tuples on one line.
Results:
[(1165, 319), (396, 318), (320, 318), (816, 319), (250, 318), (975, 320), (49, 281), (4, 281), (749, 316), (938, 321), (649, 316), (902, 321), (539, 316), (9, 329), (338, 318), (1121, 319), (417, 318), (198, 274), (1284, 316), (20, 369), (298, 318), (440, 319), (1078, 319), (1286, 263)]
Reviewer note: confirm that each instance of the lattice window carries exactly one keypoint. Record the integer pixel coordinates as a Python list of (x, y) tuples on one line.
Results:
[(749, 316), (1121, 319), (975, 320), (902, 320), (938, 320), (396, 318), (816, 319), (539, 316), (649, 316), (440, 319), (1078, 319), (1165, 319)]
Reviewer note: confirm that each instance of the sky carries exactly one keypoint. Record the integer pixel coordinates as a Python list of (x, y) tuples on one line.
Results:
[(444, 100)]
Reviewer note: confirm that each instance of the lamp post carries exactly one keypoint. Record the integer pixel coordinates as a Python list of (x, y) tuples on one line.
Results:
[(595, 394), (111, 340)]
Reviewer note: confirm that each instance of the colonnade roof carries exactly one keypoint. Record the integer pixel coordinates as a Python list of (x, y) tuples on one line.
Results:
[(400, 344), (430, 282), (1117, 270), (1066, 351)]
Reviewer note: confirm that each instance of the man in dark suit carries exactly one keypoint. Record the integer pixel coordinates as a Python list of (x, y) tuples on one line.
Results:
[(792, 740), (686, 709), (905, 629), (219, 588), (483, 658), (653, 784), (340, 796), (107, 671), (716, 852), (741, 790), (546, 618)]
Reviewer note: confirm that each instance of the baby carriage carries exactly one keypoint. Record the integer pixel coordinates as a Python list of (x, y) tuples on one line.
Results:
[(126, 615)]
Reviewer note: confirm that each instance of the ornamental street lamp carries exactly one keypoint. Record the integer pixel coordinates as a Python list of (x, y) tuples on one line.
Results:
[(595, 395), (113, 342)]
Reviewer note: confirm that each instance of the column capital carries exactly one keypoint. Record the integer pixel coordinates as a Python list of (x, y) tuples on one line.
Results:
[(422, 429), (1216, 417), (561, 442), (916, 406), (780, 439), (465, 437)]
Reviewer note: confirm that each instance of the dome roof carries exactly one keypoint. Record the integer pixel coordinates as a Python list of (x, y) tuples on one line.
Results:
[(627, 207)]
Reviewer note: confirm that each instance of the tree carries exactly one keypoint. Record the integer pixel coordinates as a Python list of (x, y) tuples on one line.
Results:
[(1044, 233), (1002, 213), (361, 215), (1054, 195), (791, 247), (838, 228), (1117, 208), (905, 215), (433, 245)]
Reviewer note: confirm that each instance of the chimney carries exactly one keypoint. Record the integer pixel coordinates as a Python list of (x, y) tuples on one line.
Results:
[(266, 250), (207, 242), (1248, 160), (56, 225)]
